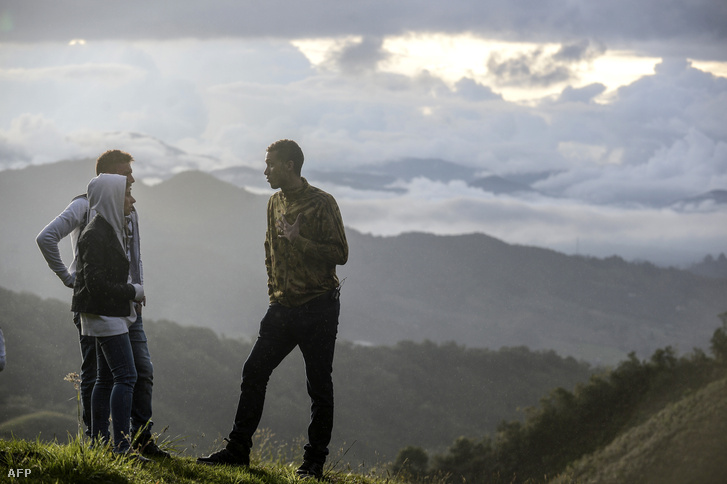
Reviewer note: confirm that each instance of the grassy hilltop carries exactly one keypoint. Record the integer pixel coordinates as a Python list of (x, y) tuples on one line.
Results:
[(417, 413), (74, 462)]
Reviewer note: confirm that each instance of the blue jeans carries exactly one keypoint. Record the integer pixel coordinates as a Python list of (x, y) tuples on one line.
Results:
[(141, 404), (313, 328), (114, 389), (88, 371)]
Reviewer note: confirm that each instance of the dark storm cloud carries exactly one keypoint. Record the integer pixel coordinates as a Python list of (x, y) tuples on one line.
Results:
[(531, 69), (688, 26), (580, 50), (540, 67), (359, 57)]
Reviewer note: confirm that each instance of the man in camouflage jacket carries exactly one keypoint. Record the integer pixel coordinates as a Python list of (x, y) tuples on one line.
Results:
[(304, 242)]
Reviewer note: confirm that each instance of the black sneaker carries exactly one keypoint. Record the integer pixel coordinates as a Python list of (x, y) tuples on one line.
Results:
[(310, 470), (225, 457), (151, 449)]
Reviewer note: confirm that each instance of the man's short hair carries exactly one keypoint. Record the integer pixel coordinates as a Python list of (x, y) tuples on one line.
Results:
[(111, 158), (288, 150)]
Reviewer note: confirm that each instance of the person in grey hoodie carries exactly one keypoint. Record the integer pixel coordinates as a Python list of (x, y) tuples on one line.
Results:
[(71, 222), (104, 297)]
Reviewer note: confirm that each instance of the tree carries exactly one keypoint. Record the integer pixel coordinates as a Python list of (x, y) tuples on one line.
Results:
[(719, 341), (411, 463)]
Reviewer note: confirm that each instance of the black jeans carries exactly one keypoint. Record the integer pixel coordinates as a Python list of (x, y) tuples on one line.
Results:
[(313, 328)]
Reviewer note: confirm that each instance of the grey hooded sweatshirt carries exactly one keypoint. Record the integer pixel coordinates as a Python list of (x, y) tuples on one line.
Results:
[(106, 194)]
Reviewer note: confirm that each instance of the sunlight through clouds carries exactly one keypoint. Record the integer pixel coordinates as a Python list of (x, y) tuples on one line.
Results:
[(484, 114), (716, 68), (519, 71)]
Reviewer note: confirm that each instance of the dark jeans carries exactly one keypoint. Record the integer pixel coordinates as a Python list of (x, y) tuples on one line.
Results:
[(141, 403), (114, 389), (313, 328), (141, 408), (88, 371)]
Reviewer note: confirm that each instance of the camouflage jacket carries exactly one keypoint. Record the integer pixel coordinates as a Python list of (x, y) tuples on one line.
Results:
[(304, 269)]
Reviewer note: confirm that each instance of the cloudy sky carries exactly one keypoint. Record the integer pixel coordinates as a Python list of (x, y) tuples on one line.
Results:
[(622, 103)]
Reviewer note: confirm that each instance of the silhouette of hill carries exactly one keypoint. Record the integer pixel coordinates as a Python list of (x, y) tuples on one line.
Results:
[(661, 420), (202, 245), (684, 442)]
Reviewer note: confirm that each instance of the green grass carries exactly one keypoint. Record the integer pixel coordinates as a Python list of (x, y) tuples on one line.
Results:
[(76, 462)]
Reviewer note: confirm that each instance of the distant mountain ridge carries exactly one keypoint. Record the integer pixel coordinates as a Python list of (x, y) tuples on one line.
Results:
[(383, 177), (202, 245)]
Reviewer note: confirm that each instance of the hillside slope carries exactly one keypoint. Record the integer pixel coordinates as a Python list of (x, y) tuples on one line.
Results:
[(686, 442)]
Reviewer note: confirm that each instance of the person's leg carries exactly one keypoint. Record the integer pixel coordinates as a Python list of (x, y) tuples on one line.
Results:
[(119, 357), (88, 371), (274, 343), (100, 398), (141, 406), (272, 346), (318, 326)]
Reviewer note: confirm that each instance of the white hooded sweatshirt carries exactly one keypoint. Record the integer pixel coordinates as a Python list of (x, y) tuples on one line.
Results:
[(106, 195)]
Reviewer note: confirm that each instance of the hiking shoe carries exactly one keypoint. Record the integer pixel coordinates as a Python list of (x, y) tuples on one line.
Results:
[(151, 449), (225, 457), (310, 470)]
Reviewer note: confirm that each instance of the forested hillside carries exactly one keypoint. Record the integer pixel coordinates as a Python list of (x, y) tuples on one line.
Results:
[(661, 421), (387, 397)]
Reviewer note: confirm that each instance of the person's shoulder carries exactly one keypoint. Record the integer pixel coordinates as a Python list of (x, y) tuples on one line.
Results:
[(78, 205), (97, 227), (314, 191), (74, 215), (320, 196)]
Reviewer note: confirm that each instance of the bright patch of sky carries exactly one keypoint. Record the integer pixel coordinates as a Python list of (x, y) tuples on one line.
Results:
[(453, 57), (716, 68)]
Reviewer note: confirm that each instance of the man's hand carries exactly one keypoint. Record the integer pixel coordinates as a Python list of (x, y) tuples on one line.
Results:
[(286, 230)]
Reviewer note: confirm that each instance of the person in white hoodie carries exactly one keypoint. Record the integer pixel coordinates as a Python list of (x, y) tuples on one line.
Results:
[(104, 297), (71, 222)]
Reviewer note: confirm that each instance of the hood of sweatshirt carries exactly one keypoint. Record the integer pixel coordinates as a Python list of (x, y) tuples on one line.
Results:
[(106, 194)]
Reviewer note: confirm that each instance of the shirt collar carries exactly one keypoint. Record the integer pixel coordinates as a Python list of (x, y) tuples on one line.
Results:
[(298, 192)]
